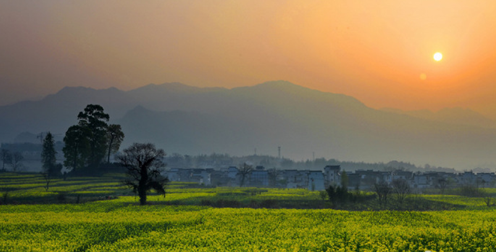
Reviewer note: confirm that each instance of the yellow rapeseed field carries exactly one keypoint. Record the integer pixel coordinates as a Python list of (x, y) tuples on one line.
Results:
[(179, 223)]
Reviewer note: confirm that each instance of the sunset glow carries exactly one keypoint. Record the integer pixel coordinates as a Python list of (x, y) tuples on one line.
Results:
[(373, 52), (438, 56)]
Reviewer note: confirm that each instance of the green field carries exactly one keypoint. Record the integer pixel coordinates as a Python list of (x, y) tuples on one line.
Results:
[(36, 220)]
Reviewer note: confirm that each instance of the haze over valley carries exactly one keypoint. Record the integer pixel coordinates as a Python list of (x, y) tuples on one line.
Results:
[(192, 120), (245, 125)]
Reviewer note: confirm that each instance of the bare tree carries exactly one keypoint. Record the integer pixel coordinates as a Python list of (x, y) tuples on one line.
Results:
[(6, 157), (115, 137), (144, 165), (488, 200), (243, 171), (16, 161), (383, 190), (273, 174), (481, 181), (47, 178), (442, 184), (401, 189)]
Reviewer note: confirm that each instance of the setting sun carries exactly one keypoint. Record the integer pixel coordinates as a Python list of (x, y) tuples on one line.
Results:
[(438, 56)]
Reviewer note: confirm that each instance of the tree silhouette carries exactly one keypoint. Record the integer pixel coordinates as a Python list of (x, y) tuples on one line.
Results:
[(401, 188), (16, 161), (144, 164), (48, 153), (115, 137), (76, 147), (95, 120), (344, 180), (442, 183), (273, 174), (383, 190), (6, 157), (243, 172), (48, 160), (92, 139)]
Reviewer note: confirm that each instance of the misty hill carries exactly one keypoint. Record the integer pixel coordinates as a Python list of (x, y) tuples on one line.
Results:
[(455, 115), (186, 119)]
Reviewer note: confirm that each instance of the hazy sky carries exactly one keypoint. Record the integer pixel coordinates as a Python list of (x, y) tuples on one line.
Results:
[(375, 51)]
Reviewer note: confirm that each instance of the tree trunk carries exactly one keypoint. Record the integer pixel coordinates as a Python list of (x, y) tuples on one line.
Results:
[(74, 163), (47, 184), (142, 195), (242, 181), (142, 185), (110, 148)]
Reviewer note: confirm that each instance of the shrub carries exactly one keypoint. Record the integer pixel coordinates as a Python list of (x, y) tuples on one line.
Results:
[(206, 202), (470, 191), (5, 197), (62, 197), (269, 203), (227, 203)]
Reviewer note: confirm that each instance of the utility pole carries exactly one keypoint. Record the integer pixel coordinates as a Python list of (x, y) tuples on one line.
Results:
[(313, 160), (279, 150)]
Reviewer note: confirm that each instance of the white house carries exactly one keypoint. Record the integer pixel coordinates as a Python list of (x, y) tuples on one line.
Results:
[(201, 176), (259, 177), (172, 175), (316, 181), (232, 172), (332, 175), (420, 181)]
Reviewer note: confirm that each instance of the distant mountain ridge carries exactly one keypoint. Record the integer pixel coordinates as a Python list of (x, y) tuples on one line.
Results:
[(187, 119)]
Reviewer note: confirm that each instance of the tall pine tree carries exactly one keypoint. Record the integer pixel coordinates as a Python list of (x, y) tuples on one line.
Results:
[(48, 153)]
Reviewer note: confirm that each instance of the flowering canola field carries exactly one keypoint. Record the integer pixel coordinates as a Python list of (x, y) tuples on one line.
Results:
[(178, 223), (117, 226)]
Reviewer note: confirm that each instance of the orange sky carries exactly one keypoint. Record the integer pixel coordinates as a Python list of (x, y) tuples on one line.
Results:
[(374, 51)]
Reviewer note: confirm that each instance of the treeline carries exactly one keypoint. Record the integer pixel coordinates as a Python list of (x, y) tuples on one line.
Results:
[(176, 160), (11, 159), (87, 145)]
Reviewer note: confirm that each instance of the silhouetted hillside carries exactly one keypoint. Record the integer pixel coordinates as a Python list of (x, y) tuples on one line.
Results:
[(186, 119)]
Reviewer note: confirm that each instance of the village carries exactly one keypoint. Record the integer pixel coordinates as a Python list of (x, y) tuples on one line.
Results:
[(317, 180), (219, 170)]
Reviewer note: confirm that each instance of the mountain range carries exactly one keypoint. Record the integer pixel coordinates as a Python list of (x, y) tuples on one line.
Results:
[(191, 120)]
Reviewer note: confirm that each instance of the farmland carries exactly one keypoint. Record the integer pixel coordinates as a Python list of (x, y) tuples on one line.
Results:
[(108, 218)]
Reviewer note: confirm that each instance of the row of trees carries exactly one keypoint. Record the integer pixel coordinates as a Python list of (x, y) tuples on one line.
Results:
[(91, 140), (398, 187), (245, 169), (339, 194), (86, 144), (14, 160)]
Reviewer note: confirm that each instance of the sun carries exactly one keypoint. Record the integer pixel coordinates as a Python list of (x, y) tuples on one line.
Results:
[(438, 56)]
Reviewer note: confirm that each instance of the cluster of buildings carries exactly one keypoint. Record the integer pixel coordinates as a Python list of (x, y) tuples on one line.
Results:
[(329, 175), (284, 178)]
